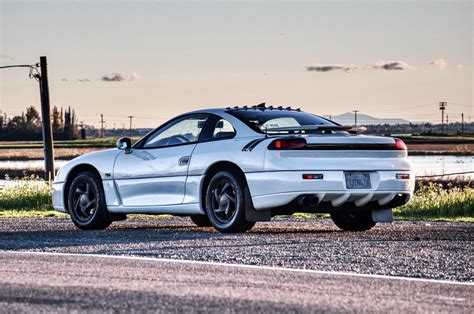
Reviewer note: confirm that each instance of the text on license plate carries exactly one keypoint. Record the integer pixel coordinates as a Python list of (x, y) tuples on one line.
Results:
[(358, 180)]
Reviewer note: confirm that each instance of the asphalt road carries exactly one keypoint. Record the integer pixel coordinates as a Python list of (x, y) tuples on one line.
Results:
[(437, 251), (88, 283)]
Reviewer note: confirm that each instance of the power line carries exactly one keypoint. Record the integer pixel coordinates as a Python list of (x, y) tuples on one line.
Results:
[(403, 108), (18, 66), (34, 73)]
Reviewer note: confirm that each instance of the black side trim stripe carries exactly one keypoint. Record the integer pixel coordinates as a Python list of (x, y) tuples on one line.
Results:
[(255, 144), (246, 147), (250, 146)]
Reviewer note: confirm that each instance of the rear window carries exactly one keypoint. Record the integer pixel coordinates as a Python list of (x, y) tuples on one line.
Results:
[(262, 120)]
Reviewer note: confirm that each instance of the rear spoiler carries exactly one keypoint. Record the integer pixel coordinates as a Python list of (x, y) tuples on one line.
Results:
[(299, 128)]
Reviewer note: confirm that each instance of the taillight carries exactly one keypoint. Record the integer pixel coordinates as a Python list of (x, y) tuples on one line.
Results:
[(290, 143), (400, 145), (402, 176), (313, 176)]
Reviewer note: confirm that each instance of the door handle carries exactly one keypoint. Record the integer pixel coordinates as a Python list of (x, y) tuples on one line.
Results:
[(184, 161)]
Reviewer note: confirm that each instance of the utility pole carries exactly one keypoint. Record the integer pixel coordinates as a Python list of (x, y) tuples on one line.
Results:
[(462, 123), (101, 135), (130, 130), (46, 121), (42, 77), (355, 117), (442, 107), (447, 123)]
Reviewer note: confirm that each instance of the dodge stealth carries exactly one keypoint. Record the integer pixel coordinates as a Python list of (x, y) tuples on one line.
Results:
[(232, 167)]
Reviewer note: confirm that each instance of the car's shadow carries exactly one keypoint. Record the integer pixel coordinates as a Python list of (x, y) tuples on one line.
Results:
[(132, 233)]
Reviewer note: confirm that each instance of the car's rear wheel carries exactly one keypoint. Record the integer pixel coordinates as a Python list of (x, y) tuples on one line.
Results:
[(353, 220), (86, 202), (201, 220), (225, 203)]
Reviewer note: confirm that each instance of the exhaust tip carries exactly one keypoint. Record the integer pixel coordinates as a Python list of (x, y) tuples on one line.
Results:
[(308, 200), (304, 201)]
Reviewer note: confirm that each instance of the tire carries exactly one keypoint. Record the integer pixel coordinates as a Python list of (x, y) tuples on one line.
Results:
[(225, 203), (86, 202), (201, 220), (353, 220)]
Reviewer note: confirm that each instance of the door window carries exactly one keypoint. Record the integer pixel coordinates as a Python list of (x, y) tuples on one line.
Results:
[(182, 131)]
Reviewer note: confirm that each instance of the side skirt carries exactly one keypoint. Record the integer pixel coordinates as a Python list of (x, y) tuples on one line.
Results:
[(181, 209)]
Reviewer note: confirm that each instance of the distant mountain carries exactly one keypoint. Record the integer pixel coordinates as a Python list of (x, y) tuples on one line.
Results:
[(363, 119)]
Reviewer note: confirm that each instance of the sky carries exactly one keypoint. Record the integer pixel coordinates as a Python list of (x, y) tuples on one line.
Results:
[(154, 60)]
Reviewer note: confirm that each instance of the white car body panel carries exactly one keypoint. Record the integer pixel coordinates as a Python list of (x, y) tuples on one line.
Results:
[(153, 181), (156, 173)]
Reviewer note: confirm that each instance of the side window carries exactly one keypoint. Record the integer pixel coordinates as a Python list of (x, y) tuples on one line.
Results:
[(185, 130), (223, 129)]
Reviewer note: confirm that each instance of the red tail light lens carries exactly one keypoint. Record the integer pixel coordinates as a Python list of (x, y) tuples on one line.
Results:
[(400, 145), (313, 176), (284, 144), (402, 176)]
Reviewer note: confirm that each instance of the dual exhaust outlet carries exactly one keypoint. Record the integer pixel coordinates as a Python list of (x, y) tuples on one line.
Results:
[(307, 200)]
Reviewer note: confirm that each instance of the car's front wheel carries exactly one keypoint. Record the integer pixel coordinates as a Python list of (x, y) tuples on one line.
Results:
[(225, 203), (353, 220), (86, 202)]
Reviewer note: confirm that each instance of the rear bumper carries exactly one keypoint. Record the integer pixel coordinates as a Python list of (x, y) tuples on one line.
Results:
[(58, 196), (280, 188)]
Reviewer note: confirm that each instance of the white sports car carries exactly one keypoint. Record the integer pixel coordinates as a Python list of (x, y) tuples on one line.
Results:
[(231, 167)]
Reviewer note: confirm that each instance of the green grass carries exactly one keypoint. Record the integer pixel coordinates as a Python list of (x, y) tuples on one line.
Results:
[(31, 213), (434, 202), (31, 197), (28, 193)]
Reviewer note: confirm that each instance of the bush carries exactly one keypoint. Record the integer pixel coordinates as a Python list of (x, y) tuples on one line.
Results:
[(432, 200), (28, 193)]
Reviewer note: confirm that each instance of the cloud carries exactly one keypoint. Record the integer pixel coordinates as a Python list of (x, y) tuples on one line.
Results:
[(391, 66), (332, 67), (5, 56), (79, 80), (119, 77), (439, 63)]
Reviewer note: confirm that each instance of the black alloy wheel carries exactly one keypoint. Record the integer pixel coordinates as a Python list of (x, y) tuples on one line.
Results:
[(225, 203), (86, 202)]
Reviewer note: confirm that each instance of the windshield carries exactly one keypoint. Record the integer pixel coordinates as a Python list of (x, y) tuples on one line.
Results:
[(262, 120)]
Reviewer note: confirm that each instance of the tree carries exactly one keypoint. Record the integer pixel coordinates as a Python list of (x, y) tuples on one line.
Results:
[(57, 121), (32, 119)]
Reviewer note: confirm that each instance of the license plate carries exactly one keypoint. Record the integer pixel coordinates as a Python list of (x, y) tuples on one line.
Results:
[(358, 180)]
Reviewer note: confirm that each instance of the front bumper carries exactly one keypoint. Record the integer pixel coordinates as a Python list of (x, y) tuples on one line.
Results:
[(279, 188), (58, 196)]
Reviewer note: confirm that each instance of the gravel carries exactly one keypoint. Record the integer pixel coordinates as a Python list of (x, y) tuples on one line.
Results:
[(435, 250)]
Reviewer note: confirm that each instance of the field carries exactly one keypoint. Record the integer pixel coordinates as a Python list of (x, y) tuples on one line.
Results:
[(448, 200), (432, 201)]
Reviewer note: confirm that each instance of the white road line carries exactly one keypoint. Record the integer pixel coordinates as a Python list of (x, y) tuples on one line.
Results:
[(296, 270)]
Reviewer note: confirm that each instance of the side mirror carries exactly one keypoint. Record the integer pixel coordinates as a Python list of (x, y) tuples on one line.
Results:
[(124, 143)]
